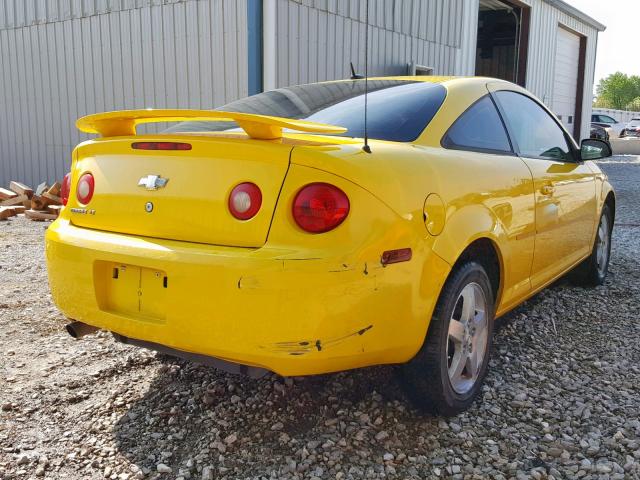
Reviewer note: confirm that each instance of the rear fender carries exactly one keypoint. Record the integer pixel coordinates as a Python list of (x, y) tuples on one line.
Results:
[(400, 296), (467, 225)]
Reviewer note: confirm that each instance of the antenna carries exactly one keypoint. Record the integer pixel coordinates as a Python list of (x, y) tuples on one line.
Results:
[(366, 146), (354, 75)]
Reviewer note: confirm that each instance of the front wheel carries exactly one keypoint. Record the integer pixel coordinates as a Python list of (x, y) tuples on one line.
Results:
[(447, 373)]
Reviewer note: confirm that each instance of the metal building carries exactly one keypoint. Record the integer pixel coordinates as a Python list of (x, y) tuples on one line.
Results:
[(61, 59)]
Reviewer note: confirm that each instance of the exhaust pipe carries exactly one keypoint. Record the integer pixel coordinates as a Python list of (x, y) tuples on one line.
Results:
[(79, 329)]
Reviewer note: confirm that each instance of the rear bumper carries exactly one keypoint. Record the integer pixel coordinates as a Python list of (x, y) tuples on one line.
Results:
[(255, 307)]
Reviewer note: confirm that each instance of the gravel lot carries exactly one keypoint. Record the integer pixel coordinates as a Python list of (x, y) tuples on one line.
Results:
[(562, 398)]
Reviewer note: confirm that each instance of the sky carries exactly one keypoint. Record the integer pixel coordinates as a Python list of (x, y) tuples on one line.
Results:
[(617, 45)]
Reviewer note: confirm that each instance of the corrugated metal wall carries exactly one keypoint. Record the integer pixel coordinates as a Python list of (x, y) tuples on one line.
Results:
[(63, 59), (316, 39), (542, 46)]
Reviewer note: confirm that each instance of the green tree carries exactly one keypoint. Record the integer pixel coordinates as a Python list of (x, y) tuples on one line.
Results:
[(634, 106), (618, 90)]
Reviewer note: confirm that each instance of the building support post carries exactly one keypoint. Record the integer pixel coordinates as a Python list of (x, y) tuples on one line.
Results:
[(269, 44), (254, 45)]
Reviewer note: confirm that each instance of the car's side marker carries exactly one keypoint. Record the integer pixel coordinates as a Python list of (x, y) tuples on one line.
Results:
[(395, 256)]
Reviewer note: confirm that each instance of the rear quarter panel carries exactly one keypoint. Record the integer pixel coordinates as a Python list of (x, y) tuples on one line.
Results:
[(484, 196), (397, 300)]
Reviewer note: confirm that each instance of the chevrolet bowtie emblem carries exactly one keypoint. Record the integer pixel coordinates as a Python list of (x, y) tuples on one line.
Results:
[(152, 182)]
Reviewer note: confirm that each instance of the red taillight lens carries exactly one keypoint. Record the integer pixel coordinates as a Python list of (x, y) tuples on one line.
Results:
[(66, 188), (320, 207), (84, 190), (245, 201), (161, 146)]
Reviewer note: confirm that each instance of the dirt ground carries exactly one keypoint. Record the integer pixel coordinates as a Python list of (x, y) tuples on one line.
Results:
[(562, 398)]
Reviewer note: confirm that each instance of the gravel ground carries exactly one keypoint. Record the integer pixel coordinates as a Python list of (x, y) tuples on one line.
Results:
[(561, 399)]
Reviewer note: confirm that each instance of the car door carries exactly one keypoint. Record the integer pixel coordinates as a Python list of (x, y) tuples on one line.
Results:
[(499, 180), (565, 197)]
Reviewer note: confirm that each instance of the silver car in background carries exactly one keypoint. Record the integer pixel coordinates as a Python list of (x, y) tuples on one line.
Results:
[(632, 128), (614, 126)]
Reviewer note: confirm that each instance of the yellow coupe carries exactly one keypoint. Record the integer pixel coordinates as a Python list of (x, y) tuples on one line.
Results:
[(263, 237)]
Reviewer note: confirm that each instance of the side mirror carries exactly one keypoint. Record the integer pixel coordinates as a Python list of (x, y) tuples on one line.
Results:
[(592, 149)]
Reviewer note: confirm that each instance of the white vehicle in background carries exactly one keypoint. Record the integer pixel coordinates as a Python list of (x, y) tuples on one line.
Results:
[(632, 129), (609, 123)]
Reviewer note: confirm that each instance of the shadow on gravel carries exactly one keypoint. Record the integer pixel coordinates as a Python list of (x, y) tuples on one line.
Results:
[(192, 413), (195, 415)]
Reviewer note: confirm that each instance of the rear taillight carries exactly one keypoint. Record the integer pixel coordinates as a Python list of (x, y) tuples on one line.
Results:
[(161, 146), (84, 190), (320, 207), (245, 201), (65, 190)]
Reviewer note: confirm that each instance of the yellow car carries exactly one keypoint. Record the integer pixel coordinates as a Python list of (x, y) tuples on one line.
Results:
[(265, 236)]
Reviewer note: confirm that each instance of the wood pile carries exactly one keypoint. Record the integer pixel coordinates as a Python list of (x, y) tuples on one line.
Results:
[(43, 203)]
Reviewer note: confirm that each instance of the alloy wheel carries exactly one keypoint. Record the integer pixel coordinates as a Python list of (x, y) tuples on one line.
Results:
[(468, 336), (602, 244)]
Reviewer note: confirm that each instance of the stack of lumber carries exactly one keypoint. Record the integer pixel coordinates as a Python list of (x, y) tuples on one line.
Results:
[(43, 203)]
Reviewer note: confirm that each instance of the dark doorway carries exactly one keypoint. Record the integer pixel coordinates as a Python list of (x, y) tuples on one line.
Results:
[(503, 36)]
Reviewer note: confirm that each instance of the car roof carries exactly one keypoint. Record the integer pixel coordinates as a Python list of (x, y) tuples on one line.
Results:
[(432, 79), (418, 78), (477, 84)]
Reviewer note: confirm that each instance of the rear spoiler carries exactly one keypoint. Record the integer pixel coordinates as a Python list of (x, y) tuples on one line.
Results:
[(263, 127)]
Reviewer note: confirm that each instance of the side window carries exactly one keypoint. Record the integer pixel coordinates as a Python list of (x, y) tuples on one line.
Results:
[(607, 119), (595, 118), (536, 133), (479, 128)]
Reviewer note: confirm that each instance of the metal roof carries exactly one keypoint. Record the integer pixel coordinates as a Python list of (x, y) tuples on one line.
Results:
[(559, 4), (574, 12)]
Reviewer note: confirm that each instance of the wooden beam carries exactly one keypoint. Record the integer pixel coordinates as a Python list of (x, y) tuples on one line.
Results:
[(17, 200), (52, 199), (40, 189), (4, 194), (39, 215), (6, 212), (18, 209), (55, 189), (21, 188), (55, 209), (39, 203)]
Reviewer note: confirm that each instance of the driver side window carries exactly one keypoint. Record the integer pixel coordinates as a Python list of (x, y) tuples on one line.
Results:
[(536, 134)]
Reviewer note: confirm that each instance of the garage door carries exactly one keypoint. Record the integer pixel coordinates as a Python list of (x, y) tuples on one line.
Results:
[(566, 77)]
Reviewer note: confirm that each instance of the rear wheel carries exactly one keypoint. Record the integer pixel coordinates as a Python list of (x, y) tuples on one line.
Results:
[(593, 271), (447, 373)]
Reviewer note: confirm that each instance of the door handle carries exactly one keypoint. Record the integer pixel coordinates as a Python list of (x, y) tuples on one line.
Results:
[(547, 190)]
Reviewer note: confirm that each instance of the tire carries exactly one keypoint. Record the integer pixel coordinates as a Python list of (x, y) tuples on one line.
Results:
[(593, 270), (426, 377)]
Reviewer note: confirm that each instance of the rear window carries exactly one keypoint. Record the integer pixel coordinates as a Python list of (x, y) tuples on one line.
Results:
[(397, 110), (478, 129)]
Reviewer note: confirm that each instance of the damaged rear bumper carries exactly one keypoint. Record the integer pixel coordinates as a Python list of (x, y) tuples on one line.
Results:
[(260, 308), (230, 367)]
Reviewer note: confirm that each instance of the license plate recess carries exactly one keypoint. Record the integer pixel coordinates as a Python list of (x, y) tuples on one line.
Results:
[(131, 290)]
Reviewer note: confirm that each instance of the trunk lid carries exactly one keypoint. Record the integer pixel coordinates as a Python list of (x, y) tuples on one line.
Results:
[(193, 204)]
